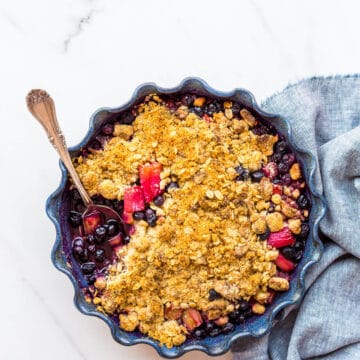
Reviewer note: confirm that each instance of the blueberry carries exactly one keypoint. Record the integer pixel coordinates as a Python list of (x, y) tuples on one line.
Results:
[(227, 328), (286, 179), (265, 235), (187, 100), (127, 118), (277, 181), (243, 173), (107, 129), (260, 130), (271, 208), (213, 295), (112, 230), (79, 242), (118, 206), (126, 240), (210, 326), (150, 216), (112, 227), (78, 251), (75, 219), (247, 313), (283, 168), (234, 315), (90, 279), (84, 256), (91, 248), (299, 245), (211, 109), (197, 110), (199, 334), (256, 176), (235, 109), (139, 215), (305, 228), (88, 268), (159, 200), (239, 169), (289, 252), (276, 157), (172, 185), (243, 305), (303, 201), (280, 147), (100, 234), (218, 105), (240, 319), (215, 332), (90, 239), (100, 255), (95, 145), (288, 159), (298, 256)]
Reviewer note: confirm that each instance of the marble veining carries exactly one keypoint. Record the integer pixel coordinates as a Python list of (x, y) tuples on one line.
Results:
[(81, 25)]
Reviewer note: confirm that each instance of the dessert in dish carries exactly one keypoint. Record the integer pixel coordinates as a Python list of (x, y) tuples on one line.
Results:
[(215, 208)]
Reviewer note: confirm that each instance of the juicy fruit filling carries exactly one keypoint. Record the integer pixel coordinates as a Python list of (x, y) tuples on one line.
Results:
[(215, 210)]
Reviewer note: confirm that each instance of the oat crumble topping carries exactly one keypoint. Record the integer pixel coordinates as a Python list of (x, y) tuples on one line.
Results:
[(208, 232)]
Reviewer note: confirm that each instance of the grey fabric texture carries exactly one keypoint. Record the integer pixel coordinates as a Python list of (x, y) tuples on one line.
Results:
[(324, 114)]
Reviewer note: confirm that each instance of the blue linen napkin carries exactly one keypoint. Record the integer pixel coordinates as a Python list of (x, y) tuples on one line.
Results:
[(325, 117)]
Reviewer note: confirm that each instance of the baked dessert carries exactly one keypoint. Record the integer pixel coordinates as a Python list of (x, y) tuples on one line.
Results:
[(215, 211)]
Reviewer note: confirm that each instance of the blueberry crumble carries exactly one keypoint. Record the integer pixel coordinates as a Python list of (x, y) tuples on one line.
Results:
[(215, 211)]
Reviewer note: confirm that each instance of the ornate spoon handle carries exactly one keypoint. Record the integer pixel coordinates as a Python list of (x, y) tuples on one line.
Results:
[(42, 107)]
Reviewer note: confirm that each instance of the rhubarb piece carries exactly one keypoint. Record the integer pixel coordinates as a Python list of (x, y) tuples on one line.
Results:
[(91, 221), (172, 313), (192, 319), (271, 297), (277, 189), (207, 118), (284, 264), (150, 180), (281, 238), (115, 240), (127, 217), (134, 199), (271, 170)]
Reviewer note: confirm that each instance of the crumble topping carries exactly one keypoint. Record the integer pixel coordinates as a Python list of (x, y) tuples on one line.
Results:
[(208, 233)]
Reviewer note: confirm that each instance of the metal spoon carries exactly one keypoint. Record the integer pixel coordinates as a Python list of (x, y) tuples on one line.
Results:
[(42, 107)]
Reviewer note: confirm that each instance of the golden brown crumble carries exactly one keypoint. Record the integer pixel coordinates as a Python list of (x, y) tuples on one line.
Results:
[(208, 236)]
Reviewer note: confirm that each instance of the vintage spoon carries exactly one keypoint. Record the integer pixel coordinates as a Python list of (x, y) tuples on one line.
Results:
[(42, 107)]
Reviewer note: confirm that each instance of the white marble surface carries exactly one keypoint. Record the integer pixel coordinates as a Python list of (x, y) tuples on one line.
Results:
[(92, 53)]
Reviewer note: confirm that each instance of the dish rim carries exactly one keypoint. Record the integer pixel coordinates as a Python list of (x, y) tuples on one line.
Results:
[(212, 346)]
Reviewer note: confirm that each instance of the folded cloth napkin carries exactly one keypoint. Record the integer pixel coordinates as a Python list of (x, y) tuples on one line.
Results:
[(325, 118)]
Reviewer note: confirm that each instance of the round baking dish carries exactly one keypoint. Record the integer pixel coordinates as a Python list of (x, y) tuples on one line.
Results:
[(254, 327)]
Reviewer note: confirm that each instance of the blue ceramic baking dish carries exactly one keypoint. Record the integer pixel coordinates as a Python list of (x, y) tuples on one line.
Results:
[(57, 207)]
